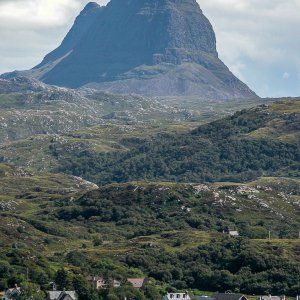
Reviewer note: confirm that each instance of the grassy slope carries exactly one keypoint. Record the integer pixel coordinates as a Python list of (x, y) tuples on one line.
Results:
[(128, 214), (33, 206), (34, 153), (232, 148), (53, 218)]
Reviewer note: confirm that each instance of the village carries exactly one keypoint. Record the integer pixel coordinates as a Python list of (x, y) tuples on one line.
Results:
[(100, 283)]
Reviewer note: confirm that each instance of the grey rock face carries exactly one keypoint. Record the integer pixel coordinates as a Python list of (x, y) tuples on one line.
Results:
[(149, 47)]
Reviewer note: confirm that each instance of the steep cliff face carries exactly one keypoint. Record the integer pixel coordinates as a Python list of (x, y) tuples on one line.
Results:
[(80, 28), (150, 47)]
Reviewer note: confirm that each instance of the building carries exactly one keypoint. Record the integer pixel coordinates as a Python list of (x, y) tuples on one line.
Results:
[(138, 283), (177, 296), (228, 296), (233, 233), (202, 298), (10, 293), (97, 282), (270, 297), (116, 283), (61, 295)]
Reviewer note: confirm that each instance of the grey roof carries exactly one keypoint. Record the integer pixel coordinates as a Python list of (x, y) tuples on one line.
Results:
[(270, 298), (203, 298), (221, 296), (57, 295)]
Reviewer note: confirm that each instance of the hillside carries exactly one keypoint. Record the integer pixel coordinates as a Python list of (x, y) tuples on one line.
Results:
[(174, 232), (29, 107), (137, 229), (146, 47), (262, 141)]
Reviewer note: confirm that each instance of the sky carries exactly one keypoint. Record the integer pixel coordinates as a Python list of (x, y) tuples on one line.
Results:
[(259, 40)]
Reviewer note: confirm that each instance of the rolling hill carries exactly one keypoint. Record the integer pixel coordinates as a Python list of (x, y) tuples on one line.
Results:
[(262, 141)]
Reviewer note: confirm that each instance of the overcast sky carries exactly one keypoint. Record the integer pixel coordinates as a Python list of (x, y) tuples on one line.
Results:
[(259, 40)]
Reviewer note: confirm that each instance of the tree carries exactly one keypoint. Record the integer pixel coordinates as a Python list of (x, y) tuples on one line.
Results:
[(29, 291), (63, 279)]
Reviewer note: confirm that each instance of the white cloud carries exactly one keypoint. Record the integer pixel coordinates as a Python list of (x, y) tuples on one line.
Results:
[(286, 75), (257, 39), (260, 35)]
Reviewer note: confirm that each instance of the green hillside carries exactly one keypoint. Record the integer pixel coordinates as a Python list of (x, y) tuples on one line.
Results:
[(170, 232), (261, 141), (169, 193)]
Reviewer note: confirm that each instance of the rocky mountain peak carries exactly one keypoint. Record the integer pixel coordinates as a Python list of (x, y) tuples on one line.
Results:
[(149, 47)]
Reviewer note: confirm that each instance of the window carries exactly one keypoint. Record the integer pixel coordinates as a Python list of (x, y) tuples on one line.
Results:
[(178, 296)]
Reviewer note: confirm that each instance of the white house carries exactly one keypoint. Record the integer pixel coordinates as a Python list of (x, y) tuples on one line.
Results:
[(177, 296), (233, 233)]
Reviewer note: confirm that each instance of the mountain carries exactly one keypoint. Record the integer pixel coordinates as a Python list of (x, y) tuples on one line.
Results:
[(148, 47)]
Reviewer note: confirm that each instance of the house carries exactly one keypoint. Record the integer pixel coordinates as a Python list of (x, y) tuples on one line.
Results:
[(10, 293), (116, 283), (97, 282), (270, 297), (177, 296), (202, 298), (228, 296), (233, 233), (138, 283), (61, 295)]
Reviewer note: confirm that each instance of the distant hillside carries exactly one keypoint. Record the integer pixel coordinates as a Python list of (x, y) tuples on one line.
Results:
[(146, 47), (251, 143), (29, 107)]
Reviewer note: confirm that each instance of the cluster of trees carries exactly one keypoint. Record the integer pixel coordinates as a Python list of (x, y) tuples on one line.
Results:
[(235, 265), (35, 282), (213, 152), (151, 209), (227, 264)]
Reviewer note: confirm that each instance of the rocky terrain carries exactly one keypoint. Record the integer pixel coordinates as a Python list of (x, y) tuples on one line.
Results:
[(29, 107), (147, 47)]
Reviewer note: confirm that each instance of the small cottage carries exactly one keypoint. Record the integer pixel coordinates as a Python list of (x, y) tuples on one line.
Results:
[(97, 282), (10, 293), (270, 297), (137, 283), (61, 295), (177, 296), (229, 296)]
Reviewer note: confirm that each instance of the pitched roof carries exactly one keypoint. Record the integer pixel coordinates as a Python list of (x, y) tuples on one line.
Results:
[(58, 295), (137, 282), (221, 296), (13, 291)]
